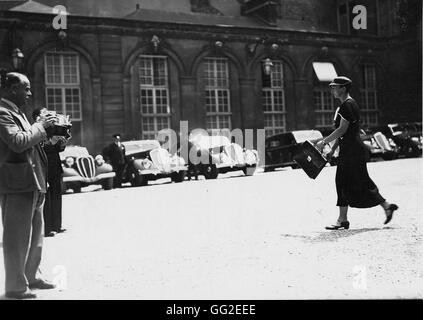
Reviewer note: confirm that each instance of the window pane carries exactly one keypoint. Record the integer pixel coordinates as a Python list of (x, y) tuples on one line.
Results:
[(327, 100), (317, 95), (53, 68), (211, 101), (154, 93), (146, 71), (159, 72), (54, 99), (147, 124), (278, 103), (267, 100), (62, 83), (273, 100), (147, 104), (277, 74), (216, 72), (216, 79), (70, 68), (162, 123), (369, 107), (72, 106), (162, 105)]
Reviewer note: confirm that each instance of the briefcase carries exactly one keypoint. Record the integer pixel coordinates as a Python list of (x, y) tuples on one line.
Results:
[(310, 159)]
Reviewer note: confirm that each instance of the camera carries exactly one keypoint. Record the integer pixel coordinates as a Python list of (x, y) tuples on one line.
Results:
[(62, 125)]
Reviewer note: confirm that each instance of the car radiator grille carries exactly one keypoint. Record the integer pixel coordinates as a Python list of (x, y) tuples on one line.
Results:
[(86, 167)]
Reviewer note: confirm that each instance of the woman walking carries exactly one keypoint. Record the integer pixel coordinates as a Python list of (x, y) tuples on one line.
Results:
[(353, 184)]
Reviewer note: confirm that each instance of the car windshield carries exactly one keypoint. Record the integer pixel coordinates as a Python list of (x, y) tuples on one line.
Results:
[(397, 128), (132, 147)]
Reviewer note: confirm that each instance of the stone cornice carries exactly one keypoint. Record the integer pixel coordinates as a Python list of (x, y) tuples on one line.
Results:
[(125, 27)]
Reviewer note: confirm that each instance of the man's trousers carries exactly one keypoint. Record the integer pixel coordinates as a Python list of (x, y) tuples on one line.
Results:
[(53, 206), (22, 238)]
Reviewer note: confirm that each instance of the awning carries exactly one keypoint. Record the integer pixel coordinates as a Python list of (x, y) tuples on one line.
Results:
[(325, 71)]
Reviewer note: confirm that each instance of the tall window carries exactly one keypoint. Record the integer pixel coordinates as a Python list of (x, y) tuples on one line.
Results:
[(62, 83), (273, 100), (218, 107), (324, 107), (368, 106), (154, 95)]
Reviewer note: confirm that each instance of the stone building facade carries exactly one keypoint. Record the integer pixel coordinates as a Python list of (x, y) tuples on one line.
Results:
[(141, 71)]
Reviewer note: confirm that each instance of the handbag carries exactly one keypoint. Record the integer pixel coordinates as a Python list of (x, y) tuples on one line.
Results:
[(310, 159)]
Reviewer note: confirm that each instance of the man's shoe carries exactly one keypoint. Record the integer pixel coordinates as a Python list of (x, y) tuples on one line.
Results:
[(339, 225), (61, 230), (390, 212), (50, 234), (42, 285), (28, 294)]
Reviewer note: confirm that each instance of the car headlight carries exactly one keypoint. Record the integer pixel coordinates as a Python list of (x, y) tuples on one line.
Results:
[(146, 164), (70, 161)]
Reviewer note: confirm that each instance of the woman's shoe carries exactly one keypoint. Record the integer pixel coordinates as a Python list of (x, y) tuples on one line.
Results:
[(339, 225), (390, 212)]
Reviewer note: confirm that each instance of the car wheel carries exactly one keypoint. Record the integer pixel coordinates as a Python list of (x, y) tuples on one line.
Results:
[(64, 187), (140, 180), (388, 156), (108, 184), (415, 152), (178, 176), (249, 171), (211, 172)]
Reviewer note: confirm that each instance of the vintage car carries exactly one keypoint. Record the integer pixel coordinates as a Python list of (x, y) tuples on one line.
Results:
[(146, 160), (376, 142), (378, 145), (216, 154), (80, 170), (415, 131), (281, 148), (409, 142)]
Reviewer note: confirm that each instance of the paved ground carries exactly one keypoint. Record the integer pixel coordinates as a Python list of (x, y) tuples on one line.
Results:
[(259, 237)]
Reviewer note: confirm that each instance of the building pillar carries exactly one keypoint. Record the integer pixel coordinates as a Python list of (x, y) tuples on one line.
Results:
[(190, 110), (98, 115), (251, 111), (304, 108)]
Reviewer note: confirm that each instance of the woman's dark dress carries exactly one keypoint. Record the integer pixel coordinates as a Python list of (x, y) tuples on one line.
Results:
[(353, 184)]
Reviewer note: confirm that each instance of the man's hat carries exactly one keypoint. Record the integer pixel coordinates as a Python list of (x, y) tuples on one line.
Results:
[(116, 135), (340, 81)]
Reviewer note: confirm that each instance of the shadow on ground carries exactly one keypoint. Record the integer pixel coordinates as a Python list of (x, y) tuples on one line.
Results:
[(334, 235)]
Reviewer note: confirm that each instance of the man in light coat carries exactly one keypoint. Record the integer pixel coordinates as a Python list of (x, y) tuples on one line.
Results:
[(23, 169)]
